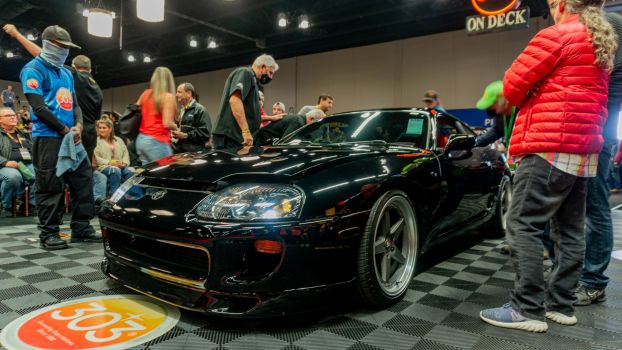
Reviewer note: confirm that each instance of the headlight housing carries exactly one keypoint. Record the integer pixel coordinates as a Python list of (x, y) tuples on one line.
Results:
[(252, 202), (129, 183)]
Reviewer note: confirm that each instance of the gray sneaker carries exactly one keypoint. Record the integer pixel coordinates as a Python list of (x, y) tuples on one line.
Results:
[(586, 295)]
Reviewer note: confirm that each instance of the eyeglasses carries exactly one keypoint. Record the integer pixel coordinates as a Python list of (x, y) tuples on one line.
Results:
[(8, 116)]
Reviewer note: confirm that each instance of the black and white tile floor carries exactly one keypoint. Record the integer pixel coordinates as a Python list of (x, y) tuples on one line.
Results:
[(440, 310)]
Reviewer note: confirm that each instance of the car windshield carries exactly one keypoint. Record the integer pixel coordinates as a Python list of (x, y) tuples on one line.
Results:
[(404, 126)]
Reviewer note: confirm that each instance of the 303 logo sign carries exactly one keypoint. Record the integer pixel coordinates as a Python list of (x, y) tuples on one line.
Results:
[(495, 7), (109, 322)]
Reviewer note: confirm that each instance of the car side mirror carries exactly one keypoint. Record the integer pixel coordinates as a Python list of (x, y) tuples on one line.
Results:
[(459, 147)]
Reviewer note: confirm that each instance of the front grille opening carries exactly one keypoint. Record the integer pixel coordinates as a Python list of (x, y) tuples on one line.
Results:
[(258, 266), (184, 261)]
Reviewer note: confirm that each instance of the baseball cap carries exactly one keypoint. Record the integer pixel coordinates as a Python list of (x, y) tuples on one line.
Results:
[(58, 34), (492, 91), (430, 95)]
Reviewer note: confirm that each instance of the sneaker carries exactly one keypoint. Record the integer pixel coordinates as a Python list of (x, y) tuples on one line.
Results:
[(92, 238), (7, 212), (586, 295), (53, 243), (506, 317), (561, 318)]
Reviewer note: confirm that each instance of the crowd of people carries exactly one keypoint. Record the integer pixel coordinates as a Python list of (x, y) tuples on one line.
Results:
[(556, 110), (64, 114)]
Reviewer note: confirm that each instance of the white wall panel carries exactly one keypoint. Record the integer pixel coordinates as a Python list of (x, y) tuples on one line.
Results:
[(393, 74)]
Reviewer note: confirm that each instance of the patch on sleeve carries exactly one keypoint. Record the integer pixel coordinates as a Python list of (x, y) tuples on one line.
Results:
[(32, 83)]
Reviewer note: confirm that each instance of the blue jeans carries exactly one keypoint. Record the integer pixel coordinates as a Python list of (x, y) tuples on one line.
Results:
[(150, 149), (115, 177), (599, 229), (12, 183), (100, 182), (613, 180)]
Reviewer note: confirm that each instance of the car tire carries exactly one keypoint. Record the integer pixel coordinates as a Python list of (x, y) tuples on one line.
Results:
[(497, 225), (388, 251)]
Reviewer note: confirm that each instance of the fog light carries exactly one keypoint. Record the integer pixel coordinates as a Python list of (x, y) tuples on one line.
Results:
[(268, 246)]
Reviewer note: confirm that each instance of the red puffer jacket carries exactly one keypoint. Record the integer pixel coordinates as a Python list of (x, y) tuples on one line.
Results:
[(561, 93)]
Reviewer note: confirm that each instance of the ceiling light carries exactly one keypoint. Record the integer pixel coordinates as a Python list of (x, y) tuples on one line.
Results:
[(131, 58), (194, 43), (147, 59), (303, 22), (150, 10), (282, 20), (99, 22), (211, 43), (9, 54), (31, 37)]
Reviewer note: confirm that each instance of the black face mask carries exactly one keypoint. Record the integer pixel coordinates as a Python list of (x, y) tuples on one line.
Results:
[(264, 79)]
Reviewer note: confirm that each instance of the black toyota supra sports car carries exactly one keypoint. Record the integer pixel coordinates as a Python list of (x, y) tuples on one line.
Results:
[(351, 200)]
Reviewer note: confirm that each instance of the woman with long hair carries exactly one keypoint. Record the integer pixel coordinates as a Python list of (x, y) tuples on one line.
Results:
[(158, 108), (111, 155), (560, 85)]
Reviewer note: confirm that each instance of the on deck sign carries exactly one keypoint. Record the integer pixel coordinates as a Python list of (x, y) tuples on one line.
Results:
[(105, 322), (497, 15)]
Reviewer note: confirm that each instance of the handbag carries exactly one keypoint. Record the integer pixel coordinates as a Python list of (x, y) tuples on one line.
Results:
[(130, 121)]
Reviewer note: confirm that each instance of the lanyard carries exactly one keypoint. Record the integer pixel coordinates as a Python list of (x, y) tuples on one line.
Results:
[(508, 125), (13, 139)]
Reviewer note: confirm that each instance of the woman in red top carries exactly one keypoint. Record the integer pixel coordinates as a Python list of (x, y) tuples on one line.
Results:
[(158, 108)]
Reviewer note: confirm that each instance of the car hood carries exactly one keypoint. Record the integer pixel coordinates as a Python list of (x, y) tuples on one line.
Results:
[(280, 161)]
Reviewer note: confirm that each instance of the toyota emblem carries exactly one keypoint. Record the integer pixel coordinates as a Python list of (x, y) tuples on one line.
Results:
[(157, 195)]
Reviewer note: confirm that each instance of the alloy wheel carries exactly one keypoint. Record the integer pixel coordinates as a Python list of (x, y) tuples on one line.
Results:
[(395, 246)]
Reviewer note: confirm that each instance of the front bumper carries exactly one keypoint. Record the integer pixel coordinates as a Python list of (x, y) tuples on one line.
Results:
[(224, 274)]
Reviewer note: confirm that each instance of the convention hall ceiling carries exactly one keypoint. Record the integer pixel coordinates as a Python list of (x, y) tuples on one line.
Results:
[(241, 29)]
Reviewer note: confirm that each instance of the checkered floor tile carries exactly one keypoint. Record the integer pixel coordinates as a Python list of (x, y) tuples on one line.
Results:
[(440, 311)]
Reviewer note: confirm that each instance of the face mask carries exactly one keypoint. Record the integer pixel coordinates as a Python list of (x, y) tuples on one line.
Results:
[(54, 55), (265, 79)]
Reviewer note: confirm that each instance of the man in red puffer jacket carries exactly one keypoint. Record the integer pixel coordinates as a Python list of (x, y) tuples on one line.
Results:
[(559, 83)]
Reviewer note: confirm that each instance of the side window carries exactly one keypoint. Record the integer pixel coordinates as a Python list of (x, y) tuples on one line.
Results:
[(445, 127)]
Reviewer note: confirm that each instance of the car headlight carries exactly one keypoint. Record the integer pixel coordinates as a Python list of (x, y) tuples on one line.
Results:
[(252, 202), (129, 183)]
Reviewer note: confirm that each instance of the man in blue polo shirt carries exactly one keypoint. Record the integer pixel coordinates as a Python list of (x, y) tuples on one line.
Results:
[(49, 88)]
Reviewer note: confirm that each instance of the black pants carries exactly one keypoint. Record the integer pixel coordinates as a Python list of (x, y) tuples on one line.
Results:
[(89, 140), (224, 142), (543, 193), (50, 191)]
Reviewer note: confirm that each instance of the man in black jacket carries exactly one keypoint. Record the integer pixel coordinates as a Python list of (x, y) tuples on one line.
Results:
[(285, 126), (194, 122)]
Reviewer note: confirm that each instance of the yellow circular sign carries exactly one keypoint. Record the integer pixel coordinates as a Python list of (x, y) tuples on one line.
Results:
[(104, 322)]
